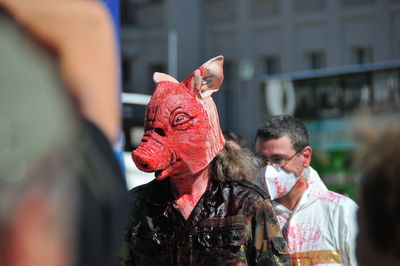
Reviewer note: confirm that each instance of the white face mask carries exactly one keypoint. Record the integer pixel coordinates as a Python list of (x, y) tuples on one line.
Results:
[(278, 181)]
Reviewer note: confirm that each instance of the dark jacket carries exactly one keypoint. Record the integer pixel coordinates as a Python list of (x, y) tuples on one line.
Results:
[(232, 224), (103, 198)]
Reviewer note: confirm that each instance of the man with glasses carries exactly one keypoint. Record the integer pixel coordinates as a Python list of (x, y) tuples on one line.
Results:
[(319, 225)]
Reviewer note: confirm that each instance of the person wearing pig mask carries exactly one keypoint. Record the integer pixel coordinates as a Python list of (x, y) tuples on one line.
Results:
[(319, 225), (201, 209)]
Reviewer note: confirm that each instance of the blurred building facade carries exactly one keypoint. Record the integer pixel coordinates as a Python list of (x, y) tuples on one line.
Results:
[(317, 59)]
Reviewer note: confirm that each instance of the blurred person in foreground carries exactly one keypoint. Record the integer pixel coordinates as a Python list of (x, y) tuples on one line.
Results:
[(378, 241), (319, 225), (37, 175), (201, 209), (60, 79)]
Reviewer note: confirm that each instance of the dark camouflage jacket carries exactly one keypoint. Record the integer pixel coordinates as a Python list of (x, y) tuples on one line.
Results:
[(232, 224)]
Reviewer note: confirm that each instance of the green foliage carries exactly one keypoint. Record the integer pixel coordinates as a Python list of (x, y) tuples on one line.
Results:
[(335, 168)]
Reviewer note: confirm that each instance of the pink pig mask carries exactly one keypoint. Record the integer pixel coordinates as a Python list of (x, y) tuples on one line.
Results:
[(182, 132)]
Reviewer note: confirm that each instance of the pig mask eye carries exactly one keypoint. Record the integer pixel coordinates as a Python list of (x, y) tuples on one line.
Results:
[(182, 121)]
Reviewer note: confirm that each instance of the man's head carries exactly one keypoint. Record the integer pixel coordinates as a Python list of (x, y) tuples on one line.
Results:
[(283, 142)]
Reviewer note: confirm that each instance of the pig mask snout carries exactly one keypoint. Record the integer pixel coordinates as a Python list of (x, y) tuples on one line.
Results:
[(147, 155)]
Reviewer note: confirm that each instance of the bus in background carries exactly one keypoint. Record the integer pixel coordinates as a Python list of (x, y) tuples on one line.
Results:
[(329, 102)]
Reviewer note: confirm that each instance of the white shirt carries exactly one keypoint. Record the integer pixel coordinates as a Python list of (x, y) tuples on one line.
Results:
[(321, 229)]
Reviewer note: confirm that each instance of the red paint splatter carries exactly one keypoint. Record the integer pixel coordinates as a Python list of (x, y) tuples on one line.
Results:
[(302, 236), (280, 189), (329, 196)]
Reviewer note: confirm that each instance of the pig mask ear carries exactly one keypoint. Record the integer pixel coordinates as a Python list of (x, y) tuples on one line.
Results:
[(158, 77), (208, 78)]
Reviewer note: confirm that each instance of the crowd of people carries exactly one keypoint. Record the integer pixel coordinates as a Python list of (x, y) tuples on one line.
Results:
[(63, 197)]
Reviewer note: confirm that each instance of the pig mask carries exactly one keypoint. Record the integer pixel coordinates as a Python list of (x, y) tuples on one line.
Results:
[(182, 132)]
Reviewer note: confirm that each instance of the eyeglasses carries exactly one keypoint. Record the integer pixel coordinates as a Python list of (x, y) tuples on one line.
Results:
[(279, 161)]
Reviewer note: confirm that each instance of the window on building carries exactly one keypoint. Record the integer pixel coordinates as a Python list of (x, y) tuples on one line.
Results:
[(362, 55), (306, 99), (272, 65), (156, 68), (328, 94), (262, 9), (229, 71), (356, 3), (316, 60), (126, 72), (127, 13), (352, 86), (130, 11), (228, 99), (310, 5), (398, 48)]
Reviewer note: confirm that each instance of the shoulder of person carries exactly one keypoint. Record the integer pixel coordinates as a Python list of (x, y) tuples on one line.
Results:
[(142, 190), (334, 202), (137, 196), (254, 187), (343, 200), (139, 193)]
